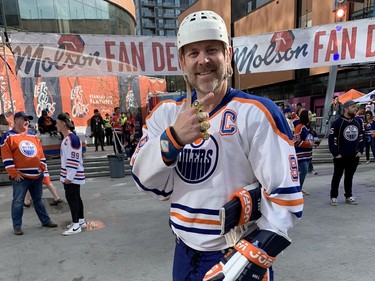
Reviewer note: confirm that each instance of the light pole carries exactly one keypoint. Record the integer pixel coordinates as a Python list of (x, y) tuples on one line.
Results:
[(340, 14)]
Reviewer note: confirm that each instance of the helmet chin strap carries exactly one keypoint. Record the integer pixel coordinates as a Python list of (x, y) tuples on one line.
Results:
[(188, 92)]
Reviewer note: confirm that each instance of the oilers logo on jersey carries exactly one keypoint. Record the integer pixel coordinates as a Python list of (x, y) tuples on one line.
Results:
[(28, 148), (351, 133), (198, 160)]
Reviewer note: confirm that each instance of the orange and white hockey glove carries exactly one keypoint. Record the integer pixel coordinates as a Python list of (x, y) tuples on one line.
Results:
[(250, 258)]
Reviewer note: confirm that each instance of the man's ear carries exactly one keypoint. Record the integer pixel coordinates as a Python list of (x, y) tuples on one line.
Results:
[(230, 54), (181, 62)]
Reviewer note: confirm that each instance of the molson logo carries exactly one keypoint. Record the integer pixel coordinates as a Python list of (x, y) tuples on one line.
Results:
[(68, 54), (280, 49)]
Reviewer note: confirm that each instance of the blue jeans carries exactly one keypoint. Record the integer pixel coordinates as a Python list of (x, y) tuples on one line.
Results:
[(35, 186), (303, 168)]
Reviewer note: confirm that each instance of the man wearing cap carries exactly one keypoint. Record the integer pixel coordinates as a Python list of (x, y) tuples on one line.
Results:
[(25, 163), (213, 150), (346, 145)]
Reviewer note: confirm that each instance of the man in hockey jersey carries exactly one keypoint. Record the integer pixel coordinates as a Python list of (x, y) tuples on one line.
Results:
[(346, 145), (25, 163), (213, 155)]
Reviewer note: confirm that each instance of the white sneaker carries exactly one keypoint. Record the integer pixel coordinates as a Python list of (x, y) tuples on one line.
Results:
[(351, 201), (72, 231), (82, 224), (333, 202)]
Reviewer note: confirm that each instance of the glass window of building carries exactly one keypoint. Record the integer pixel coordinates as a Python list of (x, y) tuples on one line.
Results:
[(76, 9), (68, 16), (11, 15), (304, 13), (255, 4)]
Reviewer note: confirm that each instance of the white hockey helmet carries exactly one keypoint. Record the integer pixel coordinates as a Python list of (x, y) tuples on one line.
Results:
[(201, 26)]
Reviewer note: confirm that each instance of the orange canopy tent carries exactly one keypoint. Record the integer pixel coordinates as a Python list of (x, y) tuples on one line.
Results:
[(350, 95)]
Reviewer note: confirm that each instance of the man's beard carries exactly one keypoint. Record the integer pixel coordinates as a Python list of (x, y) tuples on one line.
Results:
[(351, 115), (208, 87)]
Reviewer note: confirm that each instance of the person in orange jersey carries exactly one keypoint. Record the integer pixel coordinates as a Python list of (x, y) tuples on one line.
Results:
[(25, 163)]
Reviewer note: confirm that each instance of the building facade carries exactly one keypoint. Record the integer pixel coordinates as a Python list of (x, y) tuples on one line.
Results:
[(159, 17), (115, 17), (309, 86)]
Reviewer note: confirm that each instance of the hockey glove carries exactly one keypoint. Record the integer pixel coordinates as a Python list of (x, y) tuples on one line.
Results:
[(250, 258), (243, 206)]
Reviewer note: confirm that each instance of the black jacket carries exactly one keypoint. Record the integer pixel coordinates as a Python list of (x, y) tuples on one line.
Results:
[(96, 124), (346, 137)]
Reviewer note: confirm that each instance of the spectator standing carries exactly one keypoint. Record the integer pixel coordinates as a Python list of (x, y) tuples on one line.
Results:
[(288, 114), (108, 130), (129, 126), (346, 145), (46, 124), (97, 131), (304, 141), (117, 131), (124, 117), (335, 111), (200, 171), (130, 146), (369, 126), (72, 173), (295, 118), (25, 163), (361, 113)]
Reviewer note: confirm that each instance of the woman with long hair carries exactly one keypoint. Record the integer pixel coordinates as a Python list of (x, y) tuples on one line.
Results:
[(305, 138)]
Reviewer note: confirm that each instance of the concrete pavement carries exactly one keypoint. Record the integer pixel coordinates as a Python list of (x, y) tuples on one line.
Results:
[(128, 237)]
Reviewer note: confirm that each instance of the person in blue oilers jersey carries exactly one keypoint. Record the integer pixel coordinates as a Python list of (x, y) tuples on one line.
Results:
[(346, 146), (305, 138), (213, 154)]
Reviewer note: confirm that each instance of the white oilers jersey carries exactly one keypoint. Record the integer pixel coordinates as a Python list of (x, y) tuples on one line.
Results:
[(250, 141), (72, 160)]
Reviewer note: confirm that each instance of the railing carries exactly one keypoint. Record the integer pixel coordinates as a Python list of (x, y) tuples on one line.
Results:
[(320, 126)]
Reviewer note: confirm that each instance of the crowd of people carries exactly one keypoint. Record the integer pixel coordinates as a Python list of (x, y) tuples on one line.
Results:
[(24, 161), (117, 130), (301, 125), (350, 132), (212, 154)]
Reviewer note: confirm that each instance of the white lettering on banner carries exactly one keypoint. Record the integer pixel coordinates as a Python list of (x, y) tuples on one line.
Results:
[(325, 45), (87, 55), (54, 55)]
